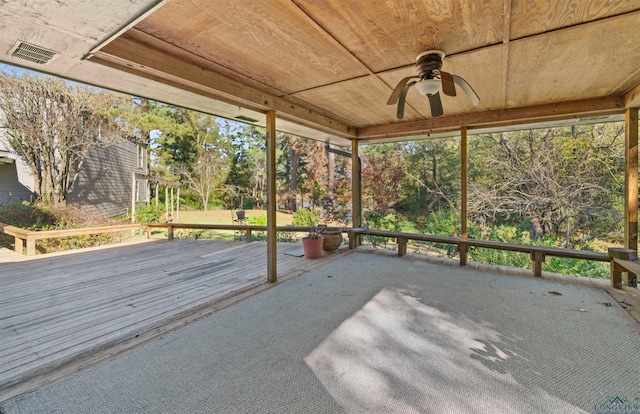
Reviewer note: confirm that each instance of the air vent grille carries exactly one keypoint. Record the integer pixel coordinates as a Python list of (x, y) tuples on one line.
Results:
[(33, 53)]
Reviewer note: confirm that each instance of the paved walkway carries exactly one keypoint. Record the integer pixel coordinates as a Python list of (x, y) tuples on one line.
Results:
[(374, 334)]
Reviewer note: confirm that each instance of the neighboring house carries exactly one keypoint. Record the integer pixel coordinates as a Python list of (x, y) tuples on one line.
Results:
[(105, 186), (111, 177), (16, 180)]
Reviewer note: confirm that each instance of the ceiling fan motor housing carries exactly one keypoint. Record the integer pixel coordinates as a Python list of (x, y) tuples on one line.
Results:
[(428, 62)]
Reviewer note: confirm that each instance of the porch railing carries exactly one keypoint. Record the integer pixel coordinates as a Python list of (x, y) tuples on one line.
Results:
[(25, 242), (246, 228)]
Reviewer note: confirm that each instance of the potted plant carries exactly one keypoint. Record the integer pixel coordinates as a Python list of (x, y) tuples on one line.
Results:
[(332, 237), (312, 244)]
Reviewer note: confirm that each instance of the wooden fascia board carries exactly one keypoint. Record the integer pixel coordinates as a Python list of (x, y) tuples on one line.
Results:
[(632, 98), (154, 64), (503, 117)]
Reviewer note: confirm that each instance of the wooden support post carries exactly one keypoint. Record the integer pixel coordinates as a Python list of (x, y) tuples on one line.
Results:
[(538, 259), (626, 255), (402, 245), (462, 249), (31, 245), (631, 186), (248, 236), (170, 231), (19, 244), (616, 275), (178, 205), (272, 271), (356, 194), (173, 215), (352, 240), (166, 202)]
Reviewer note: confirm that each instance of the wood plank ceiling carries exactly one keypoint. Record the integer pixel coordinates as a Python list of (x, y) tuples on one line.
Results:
[(330, 65)]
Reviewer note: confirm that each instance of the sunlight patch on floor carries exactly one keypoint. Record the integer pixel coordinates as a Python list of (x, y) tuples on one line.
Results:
[(397, 354)]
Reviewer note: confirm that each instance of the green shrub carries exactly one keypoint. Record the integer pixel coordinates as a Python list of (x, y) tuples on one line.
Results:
[(27, 216), (32, 216), (579, 267), (257, 220), (148, 213), (190, 234), (442, 223), (305, 217), (281, 236)]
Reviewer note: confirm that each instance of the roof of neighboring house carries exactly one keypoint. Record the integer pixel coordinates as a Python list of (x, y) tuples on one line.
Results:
[(4, 158)]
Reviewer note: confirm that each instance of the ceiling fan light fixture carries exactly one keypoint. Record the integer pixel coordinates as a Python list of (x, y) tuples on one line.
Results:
[(428, 86)]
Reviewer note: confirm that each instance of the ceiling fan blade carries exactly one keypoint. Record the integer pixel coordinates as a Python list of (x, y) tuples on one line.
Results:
[(401, 98), (467, 88), (398, 89), (436, 104), (448, 87)]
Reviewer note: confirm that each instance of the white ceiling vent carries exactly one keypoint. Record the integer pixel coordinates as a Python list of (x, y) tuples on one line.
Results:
[(32, 53)]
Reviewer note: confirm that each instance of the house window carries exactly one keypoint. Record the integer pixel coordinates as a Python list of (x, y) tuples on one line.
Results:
[(142, 156), (142, 190)]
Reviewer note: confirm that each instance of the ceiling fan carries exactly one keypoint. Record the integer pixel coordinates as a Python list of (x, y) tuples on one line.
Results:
[(429, 81)]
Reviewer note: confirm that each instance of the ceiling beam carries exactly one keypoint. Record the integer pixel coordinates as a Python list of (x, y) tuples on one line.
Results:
[(151, 63), (632, 98), (506, 36), (503, 117)]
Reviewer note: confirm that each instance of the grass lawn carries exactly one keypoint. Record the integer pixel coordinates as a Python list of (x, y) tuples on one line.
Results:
[(226, 217), (217, 217)]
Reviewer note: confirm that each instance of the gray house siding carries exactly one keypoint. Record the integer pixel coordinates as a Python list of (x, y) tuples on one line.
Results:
[(103, 187), (16, 181), (105, 183), (11, 189)]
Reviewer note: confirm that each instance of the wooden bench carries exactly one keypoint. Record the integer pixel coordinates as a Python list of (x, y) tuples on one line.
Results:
[(538, 254), (624, 260)]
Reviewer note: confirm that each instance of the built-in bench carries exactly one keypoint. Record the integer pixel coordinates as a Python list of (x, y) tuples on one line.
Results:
[(537, 253), (624, 260)]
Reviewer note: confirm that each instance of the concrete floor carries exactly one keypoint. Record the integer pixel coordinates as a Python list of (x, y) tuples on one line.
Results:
[(369, 333)]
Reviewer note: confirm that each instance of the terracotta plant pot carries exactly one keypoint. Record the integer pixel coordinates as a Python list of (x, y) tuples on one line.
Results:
[(312, 247), (332, 239)]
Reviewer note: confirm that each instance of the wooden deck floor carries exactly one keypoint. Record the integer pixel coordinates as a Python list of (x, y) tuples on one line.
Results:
[(59, 314)]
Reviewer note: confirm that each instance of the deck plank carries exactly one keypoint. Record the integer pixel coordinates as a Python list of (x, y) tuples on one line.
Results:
[(60, 309)]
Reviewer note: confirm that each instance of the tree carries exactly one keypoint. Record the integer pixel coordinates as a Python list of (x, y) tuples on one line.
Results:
[(205, 171), (188, 147), (381, 176), (564, 179), (55, 125), (247, 164)]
